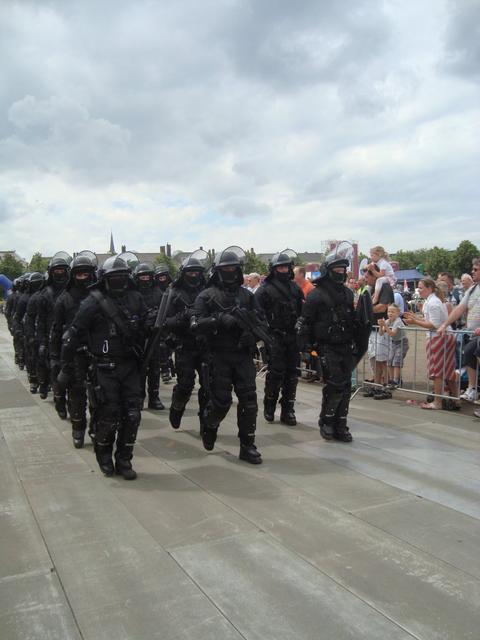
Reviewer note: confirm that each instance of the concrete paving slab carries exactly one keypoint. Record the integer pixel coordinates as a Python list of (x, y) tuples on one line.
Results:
[(22, 547), (33, 606), (269, 593), (153, 616), (175, 511), (459, 460), (442, 532), (14, 394), (420, 479)]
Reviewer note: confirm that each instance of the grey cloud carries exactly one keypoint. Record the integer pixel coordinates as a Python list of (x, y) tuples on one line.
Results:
[(463, 39), (240, 207)]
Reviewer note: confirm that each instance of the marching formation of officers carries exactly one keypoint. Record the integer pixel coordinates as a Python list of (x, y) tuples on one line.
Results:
[(100, 339)]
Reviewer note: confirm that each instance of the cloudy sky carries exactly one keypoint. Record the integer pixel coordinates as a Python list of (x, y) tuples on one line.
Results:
[(264, 123)]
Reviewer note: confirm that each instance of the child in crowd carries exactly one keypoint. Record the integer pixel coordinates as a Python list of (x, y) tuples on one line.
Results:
[(398, 343), (384, 271)]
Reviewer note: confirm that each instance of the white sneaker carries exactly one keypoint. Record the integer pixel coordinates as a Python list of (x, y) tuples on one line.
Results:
[(470, 395)]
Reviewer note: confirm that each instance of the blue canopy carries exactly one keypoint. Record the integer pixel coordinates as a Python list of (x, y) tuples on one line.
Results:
[(410, 275)]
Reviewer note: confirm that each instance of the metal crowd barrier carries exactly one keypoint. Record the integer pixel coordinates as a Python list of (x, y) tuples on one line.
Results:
[(415, 372), (429, 357)]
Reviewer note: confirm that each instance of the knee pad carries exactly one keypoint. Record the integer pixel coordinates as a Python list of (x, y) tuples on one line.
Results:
[(133, 416)]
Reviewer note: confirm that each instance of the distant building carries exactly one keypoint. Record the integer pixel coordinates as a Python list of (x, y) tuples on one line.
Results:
[(14, 254)]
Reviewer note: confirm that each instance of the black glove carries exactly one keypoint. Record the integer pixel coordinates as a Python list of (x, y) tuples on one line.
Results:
[(227, 321)]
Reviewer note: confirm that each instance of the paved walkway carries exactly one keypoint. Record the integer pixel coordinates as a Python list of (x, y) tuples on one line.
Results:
[(378, 539)]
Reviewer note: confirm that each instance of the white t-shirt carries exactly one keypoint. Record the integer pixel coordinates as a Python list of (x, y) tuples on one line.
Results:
[(434, 311), (385, 266), (471, 301)]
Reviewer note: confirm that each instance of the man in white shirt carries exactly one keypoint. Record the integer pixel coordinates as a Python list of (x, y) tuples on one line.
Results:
[(469, 305), (254, 280)]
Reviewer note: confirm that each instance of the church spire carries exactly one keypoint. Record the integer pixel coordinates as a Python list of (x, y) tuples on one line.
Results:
[(112, 246)]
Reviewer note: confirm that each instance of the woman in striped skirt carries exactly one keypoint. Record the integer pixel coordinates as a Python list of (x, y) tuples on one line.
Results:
[(440, 348)]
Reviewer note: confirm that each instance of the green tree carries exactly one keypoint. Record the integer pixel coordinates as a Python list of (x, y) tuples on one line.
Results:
[(462, 257), (253, 264), (170, 262), (11, 267), (409, 259), (437, 260), (37, 263)]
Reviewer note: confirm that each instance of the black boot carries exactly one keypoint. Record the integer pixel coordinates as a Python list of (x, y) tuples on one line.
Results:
[(327, 429), (269, 406), (175, 416), (342, 433), (154, 401), (105, 462), (60, 406), (78, 438), (287, 415), (209, 437), (124, 468), (33, 387), (78, 432), (43, 390), (249, 453)]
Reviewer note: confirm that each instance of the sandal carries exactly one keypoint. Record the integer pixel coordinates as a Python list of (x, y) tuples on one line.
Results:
[(431, 406), (413, 403)]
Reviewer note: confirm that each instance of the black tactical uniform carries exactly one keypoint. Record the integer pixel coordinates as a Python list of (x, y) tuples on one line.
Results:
[(190, 351), (280, 301), (82, 275), (35, 286), (232, 348), (10, 305), (113, 318), (49, 367), (162, 279), (144, 279), (328, 323), (18, 313)]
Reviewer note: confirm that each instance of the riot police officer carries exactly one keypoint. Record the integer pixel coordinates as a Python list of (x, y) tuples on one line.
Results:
[(162, 280), (280, 301), (328, 323), (49, 368), (82, 276), (113, 319), (10, 307), (35, 285), (144, 279), (18, 313), (225, 312), (190, 352)]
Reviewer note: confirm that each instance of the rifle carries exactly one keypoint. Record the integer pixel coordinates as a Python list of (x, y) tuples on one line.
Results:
[(152, 341), (205, 386), (247, 322)]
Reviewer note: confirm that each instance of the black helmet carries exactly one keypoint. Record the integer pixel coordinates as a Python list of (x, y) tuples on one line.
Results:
[(35, 281), (130, 258), (83, 263), (23, 282), (162, 277), (89, 254), (114, 264), (192, 270), (116, 275), (230, 257), (340, 256), (59, 268), (282, 258), (143, 275)]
